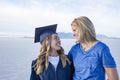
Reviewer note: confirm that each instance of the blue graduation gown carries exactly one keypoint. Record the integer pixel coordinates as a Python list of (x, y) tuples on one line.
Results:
[(51, 74)]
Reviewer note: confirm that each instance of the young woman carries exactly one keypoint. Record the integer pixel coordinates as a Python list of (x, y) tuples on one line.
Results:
[(91, 58), (52, 63)]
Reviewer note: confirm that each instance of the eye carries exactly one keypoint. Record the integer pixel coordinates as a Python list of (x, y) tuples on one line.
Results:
[(55, 37), (74, 30)]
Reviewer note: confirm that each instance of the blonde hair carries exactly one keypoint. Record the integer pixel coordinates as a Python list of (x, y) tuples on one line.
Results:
[(42, 61), (86, 27)]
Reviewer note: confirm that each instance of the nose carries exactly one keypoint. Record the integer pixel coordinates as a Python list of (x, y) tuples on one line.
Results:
[(58, 39)]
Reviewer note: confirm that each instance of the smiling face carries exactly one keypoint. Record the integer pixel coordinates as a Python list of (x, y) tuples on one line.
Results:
[(83, 29), (55, 42)]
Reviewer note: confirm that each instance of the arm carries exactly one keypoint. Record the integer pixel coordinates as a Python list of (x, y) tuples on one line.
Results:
[(33, 75), (109, 64), (71, 66), (112, 73)]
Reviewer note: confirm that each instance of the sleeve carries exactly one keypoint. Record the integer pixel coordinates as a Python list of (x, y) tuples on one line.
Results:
[(70, 56), (72, 65), (107, 59), (34, 76)]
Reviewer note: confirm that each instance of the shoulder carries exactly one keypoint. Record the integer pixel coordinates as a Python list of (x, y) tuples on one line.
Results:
[(76, 46), (34, 62), (102, 45), (34, 76), (73, 49)]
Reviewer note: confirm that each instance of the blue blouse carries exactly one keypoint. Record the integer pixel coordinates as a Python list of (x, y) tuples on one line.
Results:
[(89, 65)]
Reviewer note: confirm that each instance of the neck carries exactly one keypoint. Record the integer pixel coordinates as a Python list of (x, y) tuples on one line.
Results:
[(88, 45), (53, 53)]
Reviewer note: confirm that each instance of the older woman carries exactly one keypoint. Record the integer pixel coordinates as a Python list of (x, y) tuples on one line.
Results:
[(91, 57)]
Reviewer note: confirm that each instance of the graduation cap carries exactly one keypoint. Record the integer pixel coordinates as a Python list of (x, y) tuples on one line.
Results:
[(42, 32)]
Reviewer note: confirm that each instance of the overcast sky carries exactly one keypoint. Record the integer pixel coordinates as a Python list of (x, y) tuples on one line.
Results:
[(22, 16)]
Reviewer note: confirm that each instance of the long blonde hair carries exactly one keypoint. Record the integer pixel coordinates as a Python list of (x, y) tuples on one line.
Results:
[(86, 27), (42, 60)]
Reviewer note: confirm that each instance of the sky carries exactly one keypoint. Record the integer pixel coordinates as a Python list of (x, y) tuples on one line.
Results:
[(23, 16)]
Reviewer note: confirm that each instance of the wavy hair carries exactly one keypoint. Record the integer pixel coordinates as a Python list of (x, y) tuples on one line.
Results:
[(86, 27), (42, 60)]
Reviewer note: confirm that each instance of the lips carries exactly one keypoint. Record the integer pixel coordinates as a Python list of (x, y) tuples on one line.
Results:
[(58, 44)]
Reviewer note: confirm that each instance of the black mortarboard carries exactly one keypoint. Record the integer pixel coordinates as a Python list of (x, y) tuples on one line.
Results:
[(42, 32)]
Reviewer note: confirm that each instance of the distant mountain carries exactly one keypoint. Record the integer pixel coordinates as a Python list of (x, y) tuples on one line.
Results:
[(70, 36), (66, 35), (100, 36), (63, 35)]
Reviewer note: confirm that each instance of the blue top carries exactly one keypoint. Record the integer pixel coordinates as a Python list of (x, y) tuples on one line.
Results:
[(89, 65)]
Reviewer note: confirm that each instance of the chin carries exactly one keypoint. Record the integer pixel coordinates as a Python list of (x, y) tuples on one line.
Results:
[(58, 48), (77, 41)]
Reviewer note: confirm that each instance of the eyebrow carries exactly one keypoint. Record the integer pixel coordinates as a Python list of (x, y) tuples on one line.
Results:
[(55, 36)]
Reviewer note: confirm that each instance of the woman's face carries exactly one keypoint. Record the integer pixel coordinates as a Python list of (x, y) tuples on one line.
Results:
[(76, 31), (55, 42)]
